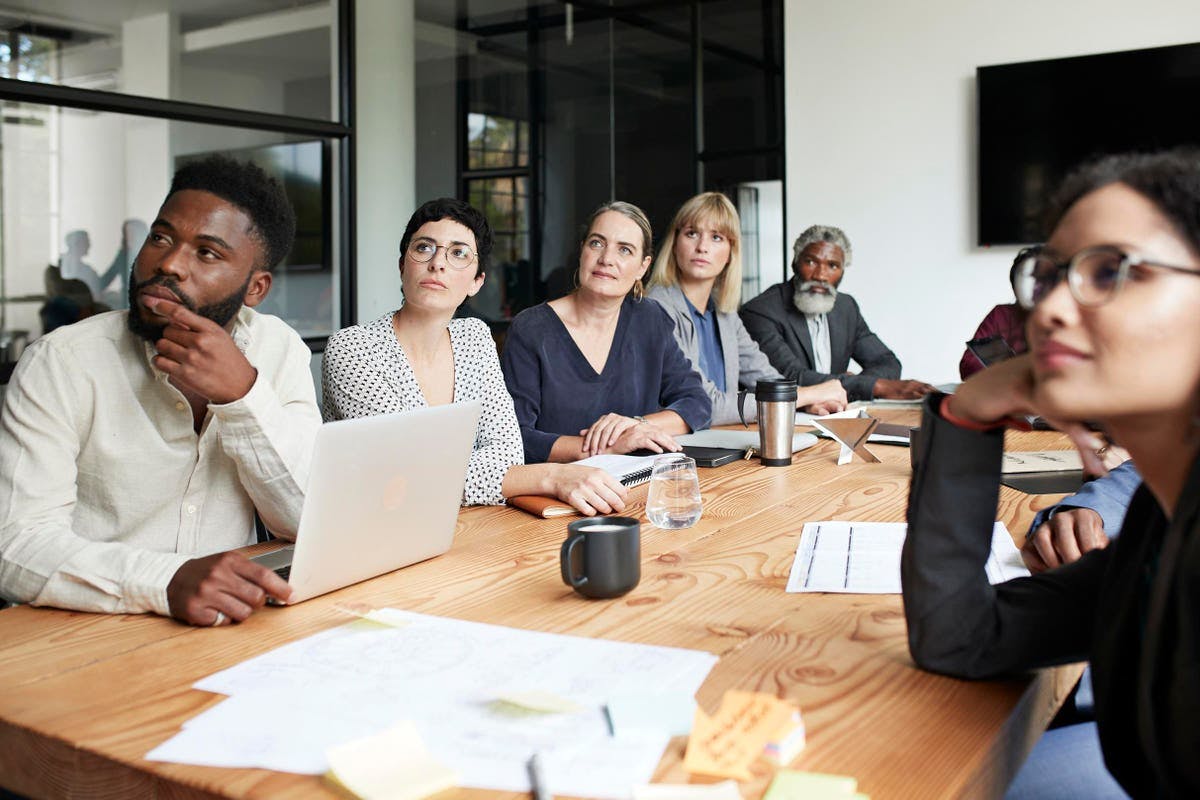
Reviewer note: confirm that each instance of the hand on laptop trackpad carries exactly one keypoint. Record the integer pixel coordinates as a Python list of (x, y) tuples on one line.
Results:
[(280, 561)]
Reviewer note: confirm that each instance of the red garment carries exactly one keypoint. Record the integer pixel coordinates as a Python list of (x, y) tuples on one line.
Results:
[(1007, 321)]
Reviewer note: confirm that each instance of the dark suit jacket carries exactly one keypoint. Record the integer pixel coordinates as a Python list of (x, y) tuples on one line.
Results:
[(1132, 608), (782, 333)]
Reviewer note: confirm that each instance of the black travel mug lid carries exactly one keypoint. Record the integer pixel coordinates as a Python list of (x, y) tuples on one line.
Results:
[(769, 391)]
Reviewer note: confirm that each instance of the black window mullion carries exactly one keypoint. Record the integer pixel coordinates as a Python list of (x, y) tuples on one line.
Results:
[(174, 110)]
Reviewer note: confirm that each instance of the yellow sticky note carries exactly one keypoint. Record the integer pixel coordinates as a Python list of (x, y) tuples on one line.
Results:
[(539, 701), (727, 743), (391, 765), (794, 785), (388, 617), (392, 617)]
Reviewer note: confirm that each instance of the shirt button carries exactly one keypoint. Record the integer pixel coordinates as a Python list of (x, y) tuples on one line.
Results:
[(180, 406), (191, 509)]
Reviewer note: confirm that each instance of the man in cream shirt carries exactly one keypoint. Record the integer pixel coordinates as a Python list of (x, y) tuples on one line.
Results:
[(136, 446)]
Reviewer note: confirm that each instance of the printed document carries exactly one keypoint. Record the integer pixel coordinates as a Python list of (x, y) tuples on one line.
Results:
[(864, 557)]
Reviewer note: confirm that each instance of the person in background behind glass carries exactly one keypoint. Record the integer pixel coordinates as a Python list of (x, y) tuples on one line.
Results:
[(72, 267), (698, 280), (133, 233)]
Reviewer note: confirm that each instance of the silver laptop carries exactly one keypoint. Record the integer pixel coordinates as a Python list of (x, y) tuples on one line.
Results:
[(383, 493)]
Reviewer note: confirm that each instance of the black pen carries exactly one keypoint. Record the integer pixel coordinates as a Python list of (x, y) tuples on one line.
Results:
[(536, 779)]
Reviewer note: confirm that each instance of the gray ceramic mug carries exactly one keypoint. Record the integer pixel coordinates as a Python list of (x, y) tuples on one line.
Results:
[(602, 556)]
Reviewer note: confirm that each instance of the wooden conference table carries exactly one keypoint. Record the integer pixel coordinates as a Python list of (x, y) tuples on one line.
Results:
[(84, 696)]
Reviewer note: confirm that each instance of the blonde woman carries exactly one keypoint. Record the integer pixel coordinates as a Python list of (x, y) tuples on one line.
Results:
[(598, 371), (698, 280)]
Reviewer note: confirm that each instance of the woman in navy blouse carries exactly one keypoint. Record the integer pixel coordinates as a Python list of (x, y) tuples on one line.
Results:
[(598, 371)]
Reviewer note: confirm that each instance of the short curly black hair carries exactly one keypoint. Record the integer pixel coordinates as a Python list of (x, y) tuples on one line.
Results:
[(1170, 179), (464, 214), (251, 189)]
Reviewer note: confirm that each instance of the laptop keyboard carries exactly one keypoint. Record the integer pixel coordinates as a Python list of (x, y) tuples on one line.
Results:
[(284, 572)]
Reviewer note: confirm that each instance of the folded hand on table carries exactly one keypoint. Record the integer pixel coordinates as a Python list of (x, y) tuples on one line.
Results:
[(824, 398), (616, 433), (1064, 538)]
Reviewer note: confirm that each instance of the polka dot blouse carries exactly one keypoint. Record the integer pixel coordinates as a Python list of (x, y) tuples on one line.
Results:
[(365, 372)]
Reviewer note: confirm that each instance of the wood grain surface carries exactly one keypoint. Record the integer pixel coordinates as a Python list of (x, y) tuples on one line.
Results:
[(85, 696)]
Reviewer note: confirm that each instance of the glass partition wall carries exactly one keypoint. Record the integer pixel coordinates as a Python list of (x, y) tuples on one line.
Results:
[(101, 102), (539, 112)]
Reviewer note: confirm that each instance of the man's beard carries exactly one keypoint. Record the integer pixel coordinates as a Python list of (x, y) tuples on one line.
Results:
[(220, 312), (810, 302)]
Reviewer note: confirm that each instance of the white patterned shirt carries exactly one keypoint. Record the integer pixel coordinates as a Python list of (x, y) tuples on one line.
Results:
[(366, 372), (106, 489)]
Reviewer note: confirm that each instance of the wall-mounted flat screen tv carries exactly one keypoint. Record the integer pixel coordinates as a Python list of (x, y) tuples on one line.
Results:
[(1039, 119)]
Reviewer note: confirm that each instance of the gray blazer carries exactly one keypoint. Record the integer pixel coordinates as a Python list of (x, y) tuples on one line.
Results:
[(749, 366), (782, 333)]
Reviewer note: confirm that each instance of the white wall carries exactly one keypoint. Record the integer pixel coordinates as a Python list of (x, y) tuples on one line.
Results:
[(386, 139), (880, 108)]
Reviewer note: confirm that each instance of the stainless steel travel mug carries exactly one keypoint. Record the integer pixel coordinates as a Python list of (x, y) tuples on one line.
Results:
[(776, 421)]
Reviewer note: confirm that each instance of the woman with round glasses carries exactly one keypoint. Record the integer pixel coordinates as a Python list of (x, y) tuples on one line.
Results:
[(421, 356), (598, 371), (1113, 339), (698, 280)]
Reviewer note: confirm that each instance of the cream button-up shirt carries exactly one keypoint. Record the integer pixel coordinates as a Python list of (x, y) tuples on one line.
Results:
[(105, 487)]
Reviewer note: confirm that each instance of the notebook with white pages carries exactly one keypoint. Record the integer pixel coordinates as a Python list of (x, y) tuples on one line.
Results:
[(629, 470)]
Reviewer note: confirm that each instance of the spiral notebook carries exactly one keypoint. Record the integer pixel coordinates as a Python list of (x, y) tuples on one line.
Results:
[(629, 470)]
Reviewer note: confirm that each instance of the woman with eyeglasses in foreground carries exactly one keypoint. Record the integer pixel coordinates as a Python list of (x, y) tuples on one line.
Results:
[(1114, 337), (421, 356), (598, 371)]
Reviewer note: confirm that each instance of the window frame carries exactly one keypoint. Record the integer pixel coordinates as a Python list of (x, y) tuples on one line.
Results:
[(340, 131)]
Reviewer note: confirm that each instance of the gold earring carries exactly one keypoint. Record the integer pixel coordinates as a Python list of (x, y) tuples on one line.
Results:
[(639, 291)]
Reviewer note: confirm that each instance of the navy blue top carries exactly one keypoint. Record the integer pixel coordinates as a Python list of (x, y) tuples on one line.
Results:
[(712, 362), (557, 393)]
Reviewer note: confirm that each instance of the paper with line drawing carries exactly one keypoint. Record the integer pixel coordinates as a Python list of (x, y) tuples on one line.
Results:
[(455, 681), (864, 557)]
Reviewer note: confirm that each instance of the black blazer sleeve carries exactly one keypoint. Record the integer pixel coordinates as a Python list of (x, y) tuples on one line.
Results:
[(876, 358), (958, 623)]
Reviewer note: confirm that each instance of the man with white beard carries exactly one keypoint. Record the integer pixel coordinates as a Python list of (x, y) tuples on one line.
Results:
[(810, 331)]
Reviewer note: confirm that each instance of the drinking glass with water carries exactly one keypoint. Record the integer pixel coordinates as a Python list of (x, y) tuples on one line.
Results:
[(674, 500)]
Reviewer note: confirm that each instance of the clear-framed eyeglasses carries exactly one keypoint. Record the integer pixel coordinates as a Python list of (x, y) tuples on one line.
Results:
[(458, 255), (1094, 275)]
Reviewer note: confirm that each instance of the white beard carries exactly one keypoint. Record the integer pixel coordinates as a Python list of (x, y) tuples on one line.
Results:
[(814, 303)]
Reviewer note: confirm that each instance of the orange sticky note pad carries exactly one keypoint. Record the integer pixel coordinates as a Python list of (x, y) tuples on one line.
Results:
[(727, 743)]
